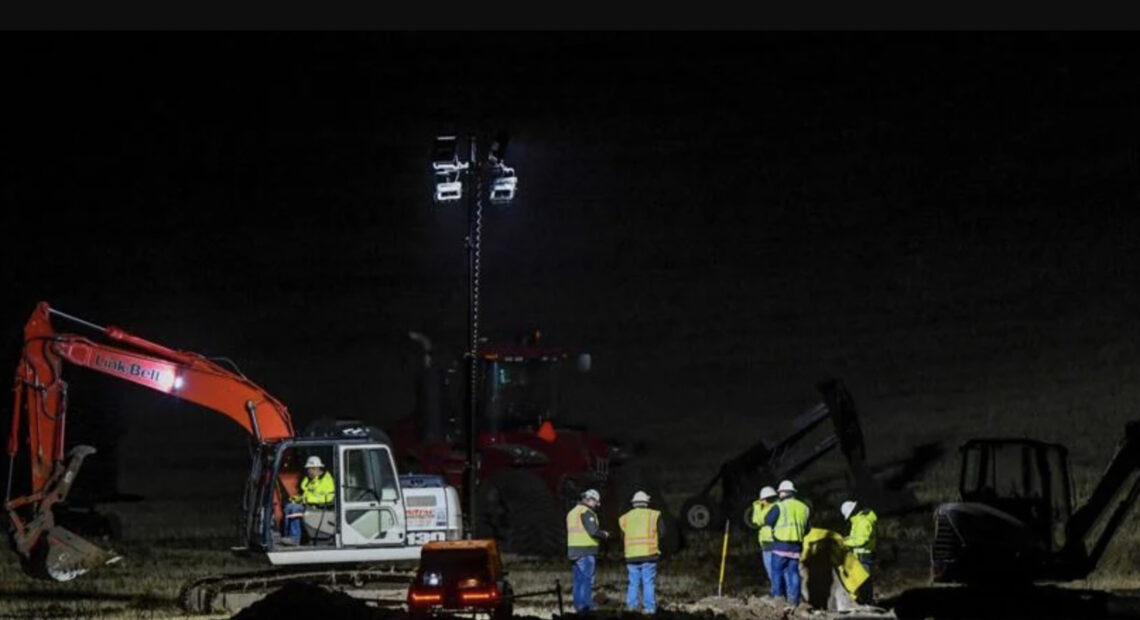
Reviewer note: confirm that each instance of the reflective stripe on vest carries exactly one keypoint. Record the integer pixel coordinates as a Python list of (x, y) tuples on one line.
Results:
[(576, 534), (639, 528), (760, 509), (322, 491), (791, 525)]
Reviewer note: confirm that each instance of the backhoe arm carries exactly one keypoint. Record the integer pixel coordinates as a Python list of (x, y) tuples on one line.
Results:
[(40, 404), (1118, 489)]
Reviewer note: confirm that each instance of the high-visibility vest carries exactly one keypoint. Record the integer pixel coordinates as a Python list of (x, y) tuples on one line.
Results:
[(760, 509), (639, 529), (576, 534), (319, 491), (862, 537), (791, 525)]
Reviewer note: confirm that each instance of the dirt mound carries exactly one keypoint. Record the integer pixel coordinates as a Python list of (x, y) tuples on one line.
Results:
[(302, 600), (737, 608)]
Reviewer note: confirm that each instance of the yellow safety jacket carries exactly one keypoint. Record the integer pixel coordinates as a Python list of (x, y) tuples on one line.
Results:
[(320, 491), (760, 510), (791, 525), (639, 529), (576, 534), (820, 541), (862, 537)]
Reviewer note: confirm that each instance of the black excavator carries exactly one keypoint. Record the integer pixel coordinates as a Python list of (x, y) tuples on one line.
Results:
[(768, 462), (1014, 522)]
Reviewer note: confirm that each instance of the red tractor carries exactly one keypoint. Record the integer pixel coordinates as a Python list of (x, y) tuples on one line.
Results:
[(531, 467)]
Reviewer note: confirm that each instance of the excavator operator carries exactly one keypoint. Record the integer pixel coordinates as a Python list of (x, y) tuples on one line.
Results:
[(317, 491)]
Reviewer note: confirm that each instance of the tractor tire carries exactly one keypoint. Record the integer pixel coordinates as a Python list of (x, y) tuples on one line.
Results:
[(625, 481), (515, 508), (700, 513)]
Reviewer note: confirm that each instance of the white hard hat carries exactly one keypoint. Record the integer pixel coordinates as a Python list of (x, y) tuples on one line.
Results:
[(787, 486), (592, 494), (767, 492), (641, 497), (314, 461), (847, 508)]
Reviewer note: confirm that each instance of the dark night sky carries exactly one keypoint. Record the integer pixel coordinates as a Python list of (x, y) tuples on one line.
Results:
[(720, 219)]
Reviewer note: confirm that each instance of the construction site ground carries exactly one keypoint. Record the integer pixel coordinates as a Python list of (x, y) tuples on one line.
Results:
[(168, 543)]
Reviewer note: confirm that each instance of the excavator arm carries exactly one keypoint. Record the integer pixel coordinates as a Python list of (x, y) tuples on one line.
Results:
[(1109, 503), (40, 405)]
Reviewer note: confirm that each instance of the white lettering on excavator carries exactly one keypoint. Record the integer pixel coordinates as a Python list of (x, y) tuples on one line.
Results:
[(134, 370)]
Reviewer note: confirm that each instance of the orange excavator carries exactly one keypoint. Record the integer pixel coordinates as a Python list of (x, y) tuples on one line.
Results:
[(367, 523)]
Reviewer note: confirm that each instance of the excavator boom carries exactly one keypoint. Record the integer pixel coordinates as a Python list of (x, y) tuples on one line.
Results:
[(40, 404)]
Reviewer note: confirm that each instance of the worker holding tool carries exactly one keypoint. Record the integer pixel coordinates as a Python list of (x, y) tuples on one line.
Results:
[(789, 522), (754, 517), (582, 538), (861, 540), (641, 529), (317, 490)]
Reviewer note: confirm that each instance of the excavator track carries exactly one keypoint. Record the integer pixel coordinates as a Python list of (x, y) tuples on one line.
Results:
[(233, 592)]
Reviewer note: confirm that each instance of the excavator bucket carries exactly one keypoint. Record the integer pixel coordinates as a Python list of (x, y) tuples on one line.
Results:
[(63, 556), (47, 550)]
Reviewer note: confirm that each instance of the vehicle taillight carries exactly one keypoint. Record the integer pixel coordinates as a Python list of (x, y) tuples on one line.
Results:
[(479, 596), (424, 598)]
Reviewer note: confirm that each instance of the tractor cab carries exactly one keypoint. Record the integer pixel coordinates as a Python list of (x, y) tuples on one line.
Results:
[(1026, 479), (521, 385)]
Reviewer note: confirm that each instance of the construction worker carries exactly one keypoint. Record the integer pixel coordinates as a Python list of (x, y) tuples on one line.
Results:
[(317, 490), (582, 538), (789, 522), (861, 541), (641, 528), (754, 517)]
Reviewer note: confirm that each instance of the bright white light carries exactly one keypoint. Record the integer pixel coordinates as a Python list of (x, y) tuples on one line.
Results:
[(177, 383)]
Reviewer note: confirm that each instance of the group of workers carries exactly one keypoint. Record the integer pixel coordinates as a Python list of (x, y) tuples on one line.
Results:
[(641, 529), (782, 518)]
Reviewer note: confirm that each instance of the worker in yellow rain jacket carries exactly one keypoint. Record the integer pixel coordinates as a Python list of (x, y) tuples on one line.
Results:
[(861, 540), (789, 522), (641, 528), (824, 553), (754, 517), (317, 490)]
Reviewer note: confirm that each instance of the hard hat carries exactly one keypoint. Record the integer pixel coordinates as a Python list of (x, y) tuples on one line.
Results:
[(641, 497), (592, 494), (314, 461), (847, 508), (767, 492), (787, 486)]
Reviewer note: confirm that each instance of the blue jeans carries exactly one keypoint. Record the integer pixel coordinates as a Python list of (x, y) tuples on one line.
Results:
[(293, 524), (866, 593), (786, 578), (643, 574), (583, 589), (768, 572)]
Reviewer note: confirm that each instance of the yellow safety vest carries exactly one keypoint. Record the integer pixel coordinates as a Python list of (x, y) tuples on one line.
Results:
[(760, 510), (791, 525), (576, 534), (639, 528), (862, 536), (318, 492)]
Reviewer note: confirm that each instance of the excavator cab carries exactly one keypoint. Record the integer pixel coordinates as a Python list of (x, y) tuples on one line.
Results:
[(1026, 479), (367, 513), (1015, 520)]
